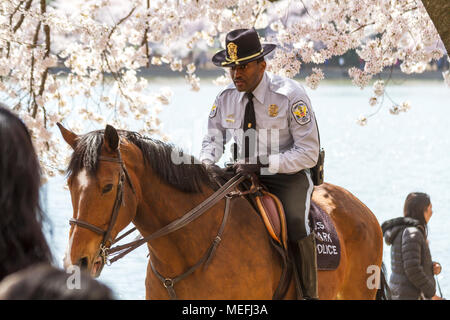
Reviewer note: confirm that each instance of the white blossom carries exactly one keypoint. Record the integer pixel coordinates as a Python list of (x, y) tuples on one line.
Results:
[(190, 68), (373, 101), (223, 80), (362, 120), (395, 109), (313, 80), (405, 106), (103, 44)]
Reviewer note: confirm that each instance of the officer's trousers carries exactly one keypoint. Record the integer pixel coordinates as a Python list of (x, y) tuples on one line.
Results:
[(294, 191)]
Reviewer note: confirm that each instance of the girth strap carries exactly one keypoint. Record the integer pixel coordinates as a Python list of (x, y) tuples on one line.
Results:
[(286, 272)]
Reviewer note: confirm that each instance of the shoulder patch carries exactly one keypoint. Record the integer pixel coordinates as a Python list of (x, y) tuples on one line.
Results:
[(301, 113), (213, 111)]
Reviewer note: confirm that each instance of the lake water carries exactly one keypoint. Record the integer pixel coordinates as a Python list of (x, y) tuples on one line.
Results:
[(379, 163)]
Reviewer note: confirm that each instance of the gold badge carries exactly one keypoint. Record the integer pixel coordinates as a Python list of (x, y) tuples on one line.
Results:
[(232, 51), (273, 110)]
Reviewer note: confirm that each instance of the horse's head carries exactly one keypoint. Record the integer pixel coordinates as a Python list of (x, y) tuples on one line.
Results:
[(104, 190)]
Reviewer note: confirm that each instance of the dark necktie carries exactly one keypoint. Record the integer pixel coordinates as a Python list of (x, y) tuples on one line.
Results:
[(249, 116), (249, 122)]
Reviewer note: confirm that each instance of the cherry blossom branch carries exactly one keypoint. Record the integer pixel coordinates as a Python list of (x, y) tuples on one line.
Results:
[(120, 22), (306, 10), (14, 12), (116, 77), (111, 56), (145, 39), (22, 16), (257, 15), (363, 26), (33, 60), (46, 55), (19, 23)]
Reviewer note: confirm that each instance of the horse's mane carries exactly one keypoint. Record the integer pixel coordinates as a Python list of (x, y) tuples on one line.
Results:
[(187, 177)]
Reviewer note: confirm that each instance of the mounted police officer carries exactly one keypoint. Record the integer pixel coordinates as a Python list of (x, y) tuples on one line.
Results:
[(274, 127)]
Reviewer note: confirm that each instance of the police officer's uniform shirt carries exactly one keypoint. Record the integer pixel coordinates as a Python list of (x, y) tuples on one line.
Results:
[(285, 123)]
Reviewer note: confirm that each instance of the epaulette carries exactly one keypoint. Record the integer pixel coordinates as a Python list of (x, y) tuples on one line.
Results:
[(286, 87), (227, 88)]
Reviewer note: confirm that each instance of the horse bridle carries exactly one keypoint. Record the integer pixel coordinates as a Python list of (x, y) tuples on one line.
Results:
[(123, 174)]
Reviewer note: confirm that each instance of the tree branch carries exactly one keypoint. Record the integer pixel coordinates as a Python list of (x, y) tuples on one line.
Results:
[(46, 30), (363, 26), (120, 22), (32, 94), (22, 16), (145, 39), (19, 23), (14, 12)]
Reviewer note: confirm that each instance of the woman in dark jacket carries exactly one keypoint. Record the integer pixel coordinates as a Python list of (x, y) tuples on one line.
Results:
[(413, 270)]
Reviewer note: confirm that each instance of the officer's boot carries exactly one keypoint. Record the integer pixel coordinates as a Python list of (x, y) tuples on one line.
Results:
[(306, 263)]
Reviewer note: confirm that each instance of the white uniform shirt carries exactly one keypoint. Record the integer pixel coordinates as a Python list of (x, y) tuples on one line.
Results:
[(285, 124)]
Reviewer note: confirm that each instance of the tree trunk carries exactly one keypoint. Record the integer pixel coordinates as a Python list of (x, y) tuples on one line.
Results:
[(439, 12)]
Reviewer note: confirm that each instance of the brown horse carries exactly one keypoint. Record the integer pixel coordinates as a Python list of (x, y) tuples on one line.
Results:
[(154, 191)]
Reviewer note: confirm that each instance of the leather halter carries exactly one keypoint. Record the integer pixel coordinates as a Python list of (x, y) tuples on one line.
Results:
[(123, 173)]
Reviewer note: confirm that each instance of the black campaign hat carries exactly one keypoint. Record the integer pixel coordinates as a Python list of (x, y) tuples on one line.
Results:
[(242, 46)]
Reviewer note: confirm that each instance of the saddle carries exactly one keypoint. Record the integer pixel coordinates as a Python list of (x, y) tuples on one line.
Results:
[(272, 214), (271, 211)]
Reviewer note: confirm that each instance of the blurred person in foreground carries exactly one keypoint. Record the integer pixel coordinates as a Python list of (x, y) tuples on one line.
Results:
[(22, 240), (26, 270), (45, 282), (413, 270)]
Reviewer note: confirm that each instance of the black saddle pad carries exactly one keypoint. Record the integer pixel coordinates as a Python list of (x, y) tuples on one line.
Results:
[(327, 240)]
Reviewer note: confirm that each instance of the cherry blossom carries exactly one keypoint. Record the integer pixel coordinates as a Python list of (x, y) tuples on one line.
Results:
[(81, 61)]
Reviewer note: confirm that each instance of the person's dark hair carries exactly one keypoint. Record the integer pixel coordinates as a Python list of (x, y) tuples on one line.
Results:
[(45, 282), (22, 240), (260, 60), (415, 205)]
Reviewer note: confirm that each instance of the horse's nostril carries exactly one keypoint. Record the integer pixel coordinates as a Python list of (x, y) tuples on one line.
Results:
[(83, 263)]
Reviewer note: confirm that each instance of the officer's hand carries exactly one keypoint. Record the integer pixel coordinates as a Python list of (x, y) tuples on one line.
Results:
[(248, 167), (212, 169)]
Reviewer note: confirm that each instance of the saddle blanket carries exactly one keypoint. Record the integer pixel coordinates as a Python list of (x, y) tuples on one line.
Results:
[(327, 240)]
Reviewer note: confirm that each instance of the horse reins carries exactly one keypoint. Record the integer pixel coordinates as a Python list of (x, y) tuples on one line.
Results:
[(122, 250)]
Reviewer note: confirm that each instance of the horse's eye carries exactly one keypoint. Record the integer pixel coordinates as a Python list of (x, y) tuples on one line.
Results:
[(107, 188)]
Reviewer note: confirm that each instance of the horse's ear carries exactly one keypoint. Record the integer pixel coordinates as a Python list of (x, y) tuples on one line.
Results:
[(69, 136), (111, 138)]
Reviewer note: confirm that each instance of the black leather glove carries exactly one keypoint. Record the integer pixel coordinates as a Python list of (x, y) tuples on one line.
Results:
[(248, 168)]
